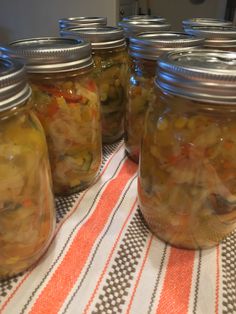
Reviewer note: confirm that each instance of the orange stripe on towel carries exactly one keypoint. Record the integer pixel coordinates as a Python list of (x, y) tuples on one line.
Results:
[(176, 289), (62, 281), (109, 259)]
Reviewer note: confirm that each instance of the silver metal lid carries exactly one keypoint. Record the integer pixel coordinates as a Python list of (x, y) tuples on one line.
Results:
[(132, 28), (202, 21), (82, 21), (148, 18), (203, 75), (151, 45), (100, 37), (53, 54), (14, 89), (216, 36)]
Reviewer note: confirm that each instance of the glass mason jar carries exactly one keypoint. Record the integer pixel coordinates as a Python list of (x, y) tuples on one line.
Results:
[(110, 72), (204, 21), (27, 213), (144, 50), (134, 27), (187, 178), (82, 21), (66, 101), (216, 37)]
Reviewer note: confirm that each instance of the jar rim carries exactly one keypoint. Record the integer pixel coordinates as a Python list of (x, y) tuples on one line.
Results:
[(218, 36), (102, 37), (152, 44), (204, 21), (149, 18), (53, 54), (82, 21), (14, 88), (207, 75), (134, 27)]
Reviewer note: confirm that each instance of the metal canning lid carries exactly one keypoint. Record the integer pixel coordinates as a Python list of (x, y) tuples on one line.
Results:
[(134, 27), (53, 54), (202, 21), (148, 18), (100, 37), (203, 75), (82, 21), (14, 89), (151, 45), (215, 36)]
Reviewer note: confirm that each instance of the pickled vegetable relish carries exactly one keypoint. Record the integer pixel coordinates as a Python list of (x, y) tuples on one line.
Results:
[(110, 72), (69, 111), (140, 93), (144, 51), (187, 186), (26, 202), (111, 76)]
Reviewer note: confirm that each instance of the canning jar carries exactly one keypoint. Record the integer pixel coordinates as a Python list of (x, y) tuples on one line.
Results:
[(27, 215), (216, 37), (204, 21), (110, 72), (187, 179), (135, 27), (82, 21), (66, 101), (144, 50)]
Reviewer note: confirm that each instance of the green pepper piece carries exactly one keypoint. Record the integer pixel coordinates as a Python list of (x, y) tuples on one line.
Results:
[(87, 160)]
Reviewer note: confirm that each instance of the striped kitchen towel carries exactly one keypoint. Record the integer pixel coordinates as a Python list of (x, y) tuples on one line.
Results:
[(103, 259)]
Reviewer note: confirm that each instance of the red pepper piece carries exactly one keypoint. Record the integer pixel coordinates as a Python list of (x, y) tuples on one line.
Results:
[(59, 93), (91, 86)]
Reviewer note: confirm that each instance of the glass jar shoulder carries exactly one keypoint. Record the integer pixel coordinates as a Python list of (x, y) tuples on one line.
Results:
[(110, 64), (105, 58), (181, 118), (21, 128), (140, 84)]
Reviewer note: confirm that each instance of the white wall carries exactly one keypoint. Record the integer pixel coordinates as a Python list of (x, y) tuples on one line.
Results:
[(32, 18), (177, 10)]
